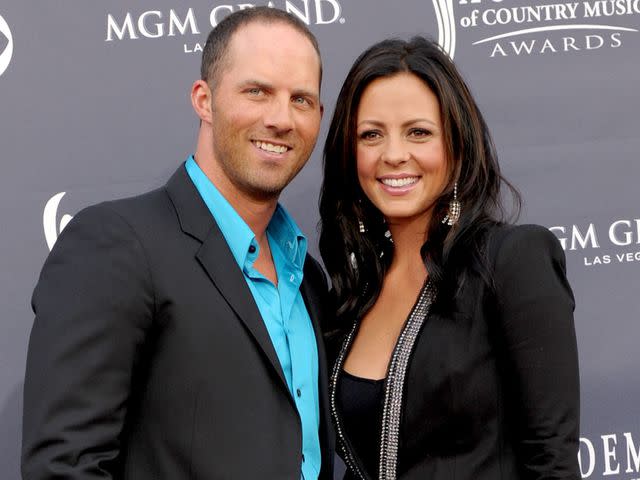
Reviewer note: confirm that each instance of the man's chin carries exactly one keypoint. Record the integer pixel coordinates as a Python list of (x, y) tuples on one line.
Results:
[(265, 192)]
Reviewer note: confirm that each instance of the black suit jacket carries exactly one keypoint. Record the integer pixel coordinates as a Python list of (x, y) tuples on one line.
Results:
[(148, 358), (492, 390)]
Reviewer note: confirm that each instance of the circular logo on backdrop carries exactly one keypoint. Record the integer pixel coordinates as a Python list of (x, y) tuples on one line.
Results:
[(446, 25), (6, 45)]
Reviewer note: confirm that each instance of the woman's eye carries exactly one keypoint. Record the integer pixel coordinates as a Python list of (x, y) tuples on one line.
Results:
[(369, 135), (419, 132)]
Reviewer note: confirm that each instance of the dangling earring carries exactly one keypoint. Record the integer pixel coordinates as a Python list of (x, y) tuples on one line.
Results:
[(361, 227), (455, 207), (388, 237), (353, 261)]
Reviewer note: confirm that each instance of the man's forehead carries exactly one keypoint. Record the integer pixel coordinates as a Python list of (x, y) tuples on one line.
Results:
[(267, 37), (275, 41), (267, 28)]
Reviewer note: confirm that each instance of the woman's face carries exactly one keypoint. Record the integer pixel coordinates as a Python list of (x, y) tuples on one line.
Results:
[(400, 152)]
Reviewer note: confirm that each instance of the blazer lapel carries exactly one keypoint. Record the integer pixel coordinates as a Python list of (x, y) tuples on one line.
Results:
[(217, 260), (310, 289), (312, 303)]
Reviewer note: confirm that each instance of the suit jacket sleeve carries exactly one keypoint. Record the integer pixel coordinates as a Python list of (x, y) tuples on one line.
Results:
[(93, 305), (535, 311)]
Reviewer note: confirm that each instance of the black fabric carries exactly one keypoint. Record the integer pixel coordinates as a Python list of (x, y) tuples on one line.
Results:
[(492, 386), (360, 402), (148, 358)]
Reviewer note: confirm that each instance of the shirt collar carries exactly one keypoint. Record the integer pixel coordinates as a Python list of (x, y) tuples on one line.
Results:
[(286, 234), (282, 228)]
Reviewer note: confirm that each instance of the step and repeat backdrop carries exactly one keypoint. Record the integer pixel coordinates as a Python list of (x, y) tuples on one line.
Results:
[(94, 105)]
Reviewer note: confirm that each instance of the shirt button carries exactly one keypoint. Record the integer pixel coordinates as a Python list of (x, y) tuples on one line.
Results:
[(252, 249), (298, 392), (292, 278)]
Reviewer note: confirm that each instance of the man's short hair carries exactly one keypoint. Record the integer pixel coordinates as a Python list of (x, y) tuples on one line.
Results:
[(215, 52)]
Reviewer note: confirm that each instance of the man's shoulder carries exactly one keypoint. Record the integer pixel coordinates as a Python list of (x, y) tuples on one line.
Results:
[(138, 209), (144, 216), (144, 206), (141, 205)]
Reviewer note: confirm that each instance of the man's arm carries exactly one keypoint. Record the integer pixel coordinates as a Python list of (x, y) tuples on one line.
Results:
[(93, 305)]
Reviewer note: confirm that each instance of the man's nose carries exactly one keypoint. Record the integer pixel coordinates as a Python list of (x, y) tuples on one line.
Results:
[(278, 115)]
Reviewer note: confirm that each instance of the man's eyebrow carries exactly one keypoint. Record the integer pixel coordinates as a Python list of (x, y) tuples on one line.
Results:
[(256, 83)]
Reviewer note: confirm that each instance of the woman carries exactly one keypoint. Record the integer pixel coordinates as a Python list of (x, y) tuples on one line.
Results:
[(455, 351)]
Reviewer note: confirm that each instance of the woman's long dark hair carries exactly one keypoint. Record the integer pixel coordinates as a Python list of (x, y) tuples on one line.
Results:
[(357, 262)]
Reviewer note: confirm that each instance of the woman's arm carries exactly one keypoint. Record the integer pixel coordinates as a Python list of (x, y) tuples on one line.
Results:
[(535, 306)]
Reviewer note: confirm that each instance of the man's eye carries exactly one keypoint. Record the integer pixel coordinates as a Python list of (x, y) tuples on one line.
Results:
[(254, 91), (301, 101)]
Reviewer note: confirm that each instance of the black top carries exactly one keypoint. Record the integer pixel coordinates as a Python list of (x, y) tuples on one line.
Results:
[(359, 403)]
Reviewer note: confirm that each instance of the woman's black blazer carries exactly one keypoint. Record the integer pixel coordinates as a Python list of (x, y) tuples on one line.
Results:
[(491, 390)]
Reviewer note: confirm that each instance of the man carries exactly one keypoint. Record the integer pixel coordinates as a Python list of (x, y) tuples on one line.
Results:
[(176, 333)]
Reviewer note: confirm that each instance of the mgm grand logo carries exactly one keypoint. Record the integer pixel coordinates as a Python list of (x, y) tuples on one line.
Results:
[(617, 242), (189, 22)]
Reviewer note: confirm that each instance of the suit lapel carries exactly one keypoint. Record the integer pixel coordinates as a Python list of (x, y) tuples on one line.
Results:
[(311, 301), (216, 259), (314, 303)]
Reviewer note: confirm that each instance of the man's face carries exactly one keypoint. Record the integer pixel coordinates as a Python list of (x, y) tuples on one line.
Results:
[(266, 109)]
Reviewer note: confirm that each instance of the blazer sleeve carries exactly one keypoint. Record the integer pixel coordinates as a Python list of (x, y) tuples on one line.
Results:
[(535, 311), (93, 304)]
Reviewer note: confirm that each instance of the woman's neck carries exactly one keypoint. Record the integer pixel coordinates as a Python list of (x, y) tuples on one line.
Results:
[(408, 237)]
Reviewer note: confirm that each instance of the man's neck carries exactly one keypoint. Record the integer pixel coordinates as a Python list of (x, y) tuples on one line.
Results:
[(256, 212)]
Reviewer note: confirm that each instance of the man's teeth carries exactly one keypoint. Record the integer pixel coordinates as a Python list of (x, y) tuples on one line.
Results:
[(270, 147), (399, 182)]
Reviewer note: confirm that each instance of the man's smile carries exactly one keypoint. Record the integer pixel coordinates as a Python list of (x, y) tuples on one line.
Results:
[(270, 147)]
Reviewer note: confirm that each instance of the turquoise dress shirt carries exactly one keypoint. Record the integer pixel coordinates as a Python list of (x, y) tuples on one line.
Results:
[(281, 306)]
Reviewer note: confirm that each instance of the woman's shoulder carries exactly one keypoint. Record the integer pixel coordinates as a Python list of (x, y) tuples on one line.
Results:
[(506, 241), (521, 255)]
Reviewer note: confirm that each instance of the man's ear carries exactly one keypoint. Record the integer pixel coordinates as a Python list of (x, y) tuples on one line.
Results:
[(201, 97)]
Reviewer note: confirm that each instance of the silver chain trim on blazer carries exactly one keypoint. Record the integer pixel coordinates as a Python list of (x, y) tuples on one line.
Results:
[(342, 443), (394, 388)]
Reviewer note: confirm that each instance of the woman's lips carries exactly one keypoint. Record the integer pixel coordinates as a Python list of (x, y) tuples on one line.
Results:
[(398, 185)]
